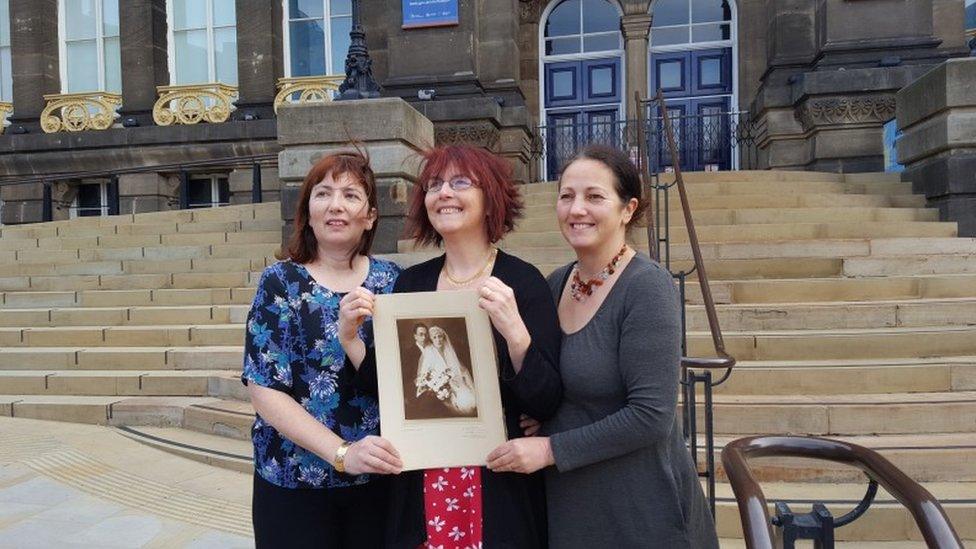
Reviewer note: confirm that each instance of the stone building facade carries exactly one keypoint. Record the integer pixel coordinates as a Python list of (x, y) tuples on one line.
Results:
[(818, 79)]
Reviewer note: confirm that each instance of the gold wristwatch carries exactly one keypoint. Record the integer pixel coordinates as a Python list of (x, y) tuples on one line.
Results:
[(340, 457)]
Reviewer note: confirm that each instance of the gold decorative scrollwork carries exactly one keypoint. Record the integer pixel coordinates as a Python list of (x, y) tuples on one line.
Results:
[(309, 89), (75, 112), (5, 110), (194, 103)]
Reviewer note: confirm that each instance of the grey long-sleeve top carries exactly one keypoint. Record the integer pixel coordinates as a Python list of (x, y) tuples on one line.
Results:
[(621, 462)]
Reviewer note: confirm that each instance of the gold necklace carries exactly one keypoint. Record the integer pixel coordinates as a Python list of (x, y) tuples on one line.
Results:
[(479, 274)]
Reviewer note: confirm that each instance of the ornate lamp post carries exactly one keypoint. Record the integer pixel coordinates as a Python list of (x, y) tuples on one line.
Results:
[(359, 83)]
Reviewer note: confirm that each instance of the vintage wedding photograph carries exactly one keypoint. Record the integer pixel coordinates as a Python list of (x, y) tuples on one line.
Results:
[(435, 361)]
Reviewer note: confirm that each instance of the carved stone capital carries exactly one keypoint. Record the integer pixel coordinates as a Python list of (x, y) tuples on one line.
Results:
[(482, 134), (833, 111), (529, 11), (636, 27)]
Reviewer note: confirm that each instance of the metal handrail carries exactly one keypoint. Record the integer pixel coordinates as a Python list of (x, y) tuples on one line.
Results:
[(228, 162), (928, 513), (723, 360)]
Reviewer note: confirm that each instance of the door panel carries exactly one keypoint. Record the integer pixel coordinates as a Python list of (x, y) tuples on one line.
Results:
[(564, 86), (601, 81), (671, 73)]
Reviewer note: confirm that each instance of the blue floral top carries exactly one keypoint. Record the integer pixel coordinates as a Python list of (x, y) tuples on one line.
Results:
[(292, 346)]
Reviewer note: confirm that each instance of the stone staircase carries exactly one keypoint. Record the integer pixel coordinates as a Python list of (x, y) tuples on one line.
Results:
[(851, 310)]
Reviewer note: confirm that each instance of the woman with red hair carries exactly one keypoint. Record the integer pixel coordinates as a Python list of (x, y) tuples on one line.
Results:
[(466, 202)]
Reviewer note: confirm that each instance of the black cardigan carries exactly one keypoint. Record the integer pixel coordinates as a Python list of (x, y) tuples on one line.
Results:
[(513, 504)]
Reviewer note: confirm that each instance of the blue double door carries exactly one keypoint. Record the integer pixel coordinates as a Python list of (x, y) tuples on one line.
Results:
[(697, 87), (582, 102)]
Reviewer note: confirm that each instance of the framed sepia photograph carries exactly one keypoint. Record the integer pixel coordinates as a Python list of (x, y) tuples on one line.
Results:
[(440, 403)]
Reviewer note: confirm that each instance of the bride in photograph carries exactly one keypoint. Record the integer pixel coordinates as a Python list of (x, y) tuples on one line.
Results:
[(442, 373)]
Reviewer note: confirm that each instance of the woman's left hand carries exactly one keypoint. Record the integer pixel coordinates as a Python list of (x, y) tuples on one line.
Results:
[(521, 455), (498, 300)]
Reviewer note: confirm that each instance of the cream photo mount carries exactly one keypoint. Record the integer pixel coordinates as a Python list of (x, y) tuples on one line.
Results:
[(456, 435)]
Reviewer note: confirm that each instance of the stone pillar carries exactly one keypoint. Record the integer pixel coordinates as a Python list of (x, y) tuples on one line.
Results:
[(635, 30), (148, 192), (242, 183), (142, 28), (259, 57), (937, 113), (34, 60), (22, 204), (392, 132)]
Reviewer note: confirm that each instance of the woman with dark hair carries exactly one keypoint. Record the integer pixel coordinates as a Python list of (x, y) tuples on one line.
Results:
[(315, 443), (465, 200), (616, 438)]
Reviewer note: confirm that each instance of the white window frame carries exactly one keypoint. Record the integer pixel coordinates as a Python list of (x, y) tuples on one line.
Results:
[(214, 190), (99, 46), (582, 56), (327, 28), (732, 43), (971, 31), (211, 49), (8, 48), (102, 204)]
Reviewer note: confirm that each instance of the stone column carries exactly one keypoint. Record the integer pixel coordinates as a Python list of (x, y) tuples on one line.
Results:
[(635, 29), (259, 57), (34, 60), (392, 132), (148, 192), (242, 185), (937, 113), (142, 28)]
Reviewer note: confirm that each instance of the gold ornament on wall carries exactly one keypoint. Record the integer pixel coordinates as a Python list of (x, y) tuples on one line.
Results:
[(309, 89), (191, 104), (75, 112)]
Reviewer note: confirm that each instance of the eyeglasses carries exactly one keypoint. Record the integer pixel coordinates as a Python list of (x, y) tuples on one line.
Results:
[(456, 184)]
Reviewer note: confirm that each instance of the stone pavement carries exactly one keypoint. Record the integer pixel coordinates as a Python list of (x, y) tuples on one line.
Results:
[(74, 486)]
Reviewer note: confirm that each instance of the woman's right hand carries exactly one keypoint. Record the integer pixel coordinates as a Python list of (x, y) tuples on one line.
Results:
[(373, 455), (353, 310)]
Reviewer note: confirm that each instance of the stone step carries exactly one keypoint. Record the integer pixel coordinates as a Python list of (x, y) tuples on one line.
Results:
[(102, 410), (120, 382), (255, 250), (222, 417), (832, 315), (124, 336), (218, 451), (822, 290), (925, 458), (840, 344), (81, 358), (129, 298), (136, 267), (917, 265), (766, 201), (851, 376), (29, 248), (265, 212), (755, 233), (546, 221), (548, 196), (124, 316), (837, 415), (885, 521), (146, 281)]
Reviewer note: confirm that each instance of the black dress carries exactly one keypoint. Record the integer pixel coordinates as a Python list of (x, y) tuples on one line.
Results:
[(514, 514)]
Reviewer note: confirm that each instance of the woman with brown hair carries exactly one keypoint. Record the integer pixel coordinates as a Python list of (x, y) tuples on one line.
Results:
[(465, 201), (614, 452), (315, 443)]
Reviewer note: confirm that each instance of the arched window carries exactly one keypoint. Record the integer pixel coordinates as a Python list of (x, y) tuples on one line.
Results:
[(568, 31), (6, 79), (971, 17), (203, 41), (89, 46), (316, 36), (690, 22)]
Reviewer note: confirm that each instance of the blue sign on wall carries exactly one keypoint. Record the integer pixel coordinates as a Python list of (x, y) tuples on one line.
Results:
[(429, 13)]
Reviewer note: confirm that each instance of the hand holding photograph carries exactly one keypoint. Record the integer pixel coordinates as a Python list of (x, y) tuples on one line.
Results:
[(437, 372)]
